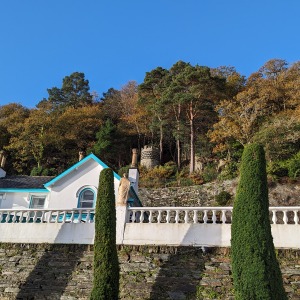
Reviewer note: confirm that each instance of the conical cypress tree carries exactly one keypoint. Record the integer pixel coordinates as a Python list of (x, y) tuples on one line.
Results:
[(106, 266), (256, 272)]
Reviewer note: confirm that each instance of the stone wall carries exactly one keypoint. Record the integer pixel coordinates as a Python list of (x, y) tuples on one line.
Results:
[(280, 194), (31, 271)]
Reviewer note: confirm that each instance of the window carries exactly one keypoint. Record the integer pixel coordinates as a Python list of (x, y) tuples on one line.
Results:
[(37, 201), (86, 199)]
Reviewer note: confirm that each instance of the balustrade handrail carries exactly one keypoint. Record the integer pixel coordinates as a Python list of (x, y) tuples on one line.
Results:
[(204, 208), (45, 215), (206, 215)]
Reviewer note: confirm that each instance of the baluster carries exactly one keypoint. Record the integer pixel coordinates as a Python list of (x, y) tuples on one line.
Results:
[(133, 218), (285, 219), (223, 218), (142, 216), (14, 217), (80, 216), (43, 216), (21, 217), (87, 220), (168, 216), (150, 216), (34, 216), (274, 216), (72, 216), (195, 216), (214, 217), (296, 219), (205, 218), (159, 216), (7, 217), (57, 216), (176, 216), (49, 216), (64, 217), (27, 216), (186, 216)]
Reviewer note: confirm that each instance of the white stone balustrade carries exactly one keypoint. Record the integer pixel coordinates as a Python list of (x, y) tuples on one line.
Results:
[(77, 215), (185, 226), (206, 215)]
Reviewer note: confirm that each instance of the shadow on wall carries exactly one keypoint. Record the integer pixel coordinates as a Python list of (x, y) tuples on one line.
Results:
[(179, 274), (52, 273)]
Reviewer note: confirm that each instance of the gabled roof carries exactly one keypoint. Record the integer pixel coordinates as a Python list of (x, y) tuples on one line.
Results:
[(74, 167), (24, 183)]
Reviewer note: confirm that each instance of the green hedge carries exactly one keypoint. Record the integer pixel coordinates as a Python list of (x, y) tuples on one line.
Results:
[(256, 273)]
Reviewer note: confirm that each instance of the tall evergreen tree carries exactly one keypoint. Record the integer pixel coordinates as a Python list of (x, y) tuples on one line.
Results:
[(256, 273), (106, 266)]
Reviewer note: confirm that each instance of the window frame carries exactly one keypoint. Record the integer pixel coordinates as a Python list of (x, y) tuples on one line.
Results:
[(80, 194), (37, 196)]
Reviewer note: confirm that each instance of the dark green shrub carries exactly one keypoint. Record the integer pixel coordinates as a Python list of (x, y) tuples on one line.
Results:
[(230, 171), (123, 170), (106, 266), (40, 171), (36, 171), (256, 273), (277, 169), (210, 173), (223, 198), (186, 181), (294, 166)]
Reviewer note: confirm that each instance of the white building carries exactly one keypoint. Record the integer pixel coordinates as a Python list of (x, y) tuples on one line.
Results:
[(74, 188)]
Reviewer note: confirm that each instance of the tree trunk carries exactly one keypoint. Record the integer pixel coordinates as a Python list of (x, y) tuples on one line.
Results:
[(161, 142), (178, 153), (192, 146)]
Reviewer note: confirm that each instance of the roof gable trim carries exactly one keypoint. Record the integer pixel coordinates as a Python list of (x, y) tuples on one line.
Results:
[(74, 167)]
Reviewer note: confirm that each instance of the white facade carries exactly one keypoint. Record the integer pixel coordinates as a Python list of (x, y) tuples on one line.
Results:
[(62, 192)]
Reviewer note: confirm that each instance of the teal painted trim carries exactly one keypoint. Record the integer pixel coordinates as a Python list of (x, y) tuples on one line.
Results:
[(90, 156), (24, 190)]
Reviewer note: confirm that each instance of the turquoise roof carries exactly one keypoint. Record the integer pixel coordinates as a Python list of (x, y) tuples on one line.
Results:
[(81, 162)]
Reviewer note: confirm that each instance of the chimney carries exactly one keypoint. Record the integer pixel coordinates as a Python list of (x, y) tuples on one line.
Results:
[(134, 158), (133, 172), (81, 155)]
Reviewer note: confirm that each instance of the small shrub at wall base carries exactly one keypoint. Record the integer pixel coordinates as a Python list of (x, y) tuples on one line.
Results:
[(256, 272), (106, 265), (223, 198)]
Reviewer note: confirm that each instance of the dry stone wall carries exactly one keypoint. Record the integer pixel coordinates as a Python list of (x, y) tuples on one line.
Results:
[(204, 195), (30, 271)]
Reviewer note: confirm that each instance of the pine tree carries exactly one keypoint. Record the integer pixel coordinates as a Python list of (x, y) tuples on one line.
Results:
[(106, 266), (256, 272)]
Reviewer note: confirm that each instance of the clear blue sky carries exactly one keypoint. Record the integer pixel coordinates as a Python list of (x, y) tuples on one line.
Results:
[(114, 41)]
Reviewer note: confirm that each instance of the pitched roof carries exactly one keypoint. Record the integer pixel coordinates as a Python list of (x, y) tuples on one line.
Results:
[(84, 160), (24, 182)]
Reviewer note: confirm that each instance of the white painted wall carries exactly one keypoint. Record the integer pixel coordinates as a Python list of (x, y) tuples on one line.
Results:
[(18, 200), (210, 235), (53, 233), (63, 194)]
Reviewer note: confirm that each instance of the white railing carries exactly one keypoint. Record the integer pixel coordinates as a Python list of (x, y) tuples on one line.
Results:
[(78, 215), (206, 215)]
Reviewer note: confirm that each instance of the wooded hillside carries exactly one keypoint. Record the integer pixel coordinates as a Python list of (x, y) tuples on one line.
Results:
[(189, 112)]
